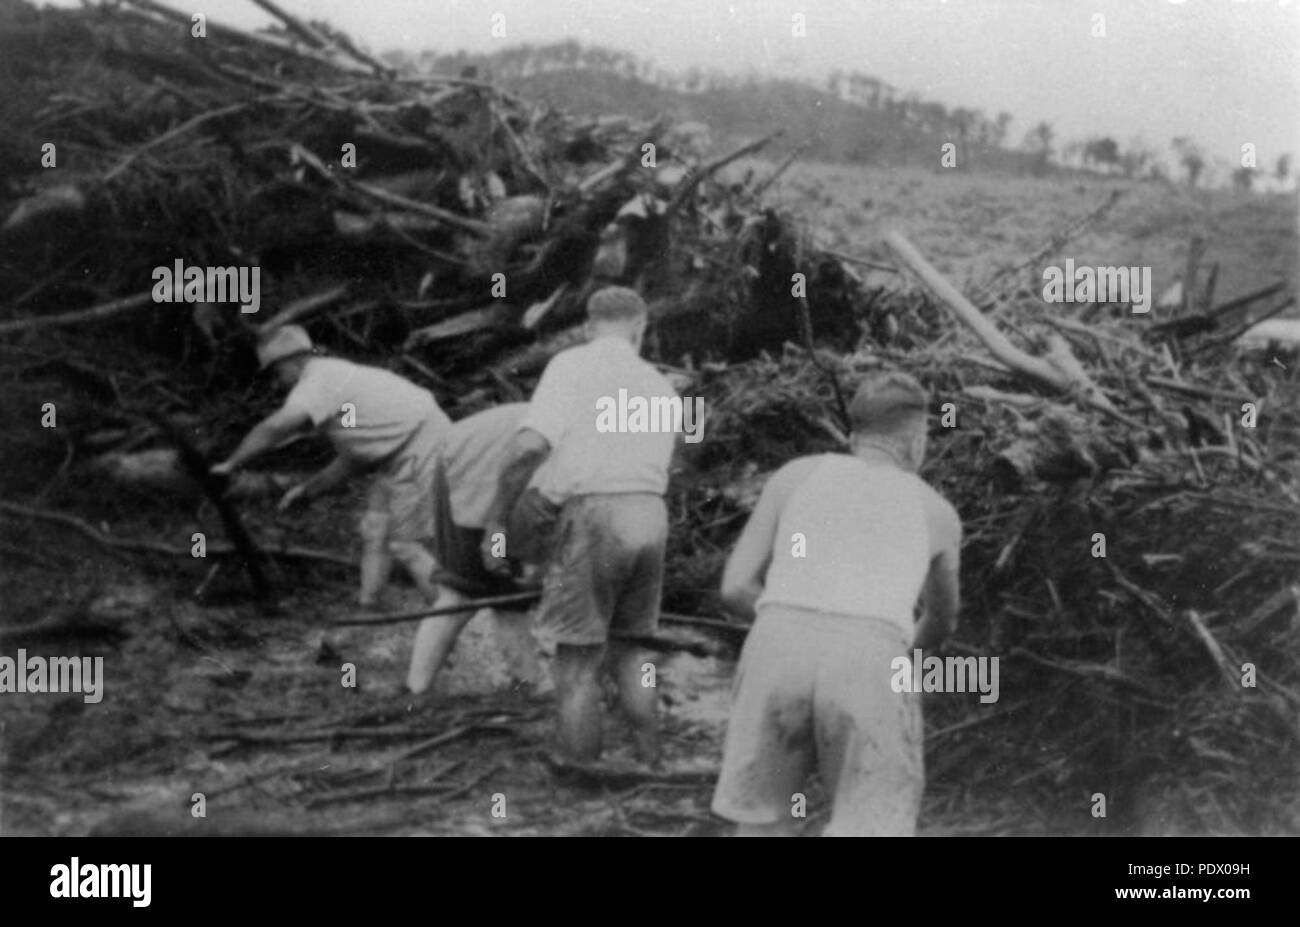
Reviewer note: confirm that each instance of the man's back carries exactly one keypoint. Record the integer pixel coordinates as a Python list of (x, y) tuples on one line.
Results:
[(854, 538), (368, 413), (564, 407), (473, 455)]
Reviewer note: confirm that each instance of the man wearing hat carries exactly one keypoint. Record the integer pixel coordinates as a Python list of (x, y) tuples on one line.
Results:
[(833, 560), (605, 572), (377, 421)]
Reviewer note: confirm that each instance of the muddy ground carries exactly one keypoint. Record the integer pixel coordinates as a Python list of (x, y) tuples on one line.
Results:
[(216, 697)]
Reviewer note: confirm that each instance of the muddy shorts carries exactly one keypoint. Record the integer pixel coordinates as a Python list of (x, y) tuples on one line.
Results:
[(403, 491), (812, 690), (457, 549), (607, 569)]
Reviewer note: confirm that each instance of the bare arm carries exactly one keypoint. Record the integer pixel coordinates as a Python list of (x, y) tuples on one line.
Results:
[(526, 453), (742, 580), (333, 474), (941, 594), (267, 434)]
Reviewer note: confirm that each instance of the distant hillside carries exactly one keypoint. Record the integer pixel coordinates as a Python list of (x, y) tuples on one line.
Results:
[(854, 119)]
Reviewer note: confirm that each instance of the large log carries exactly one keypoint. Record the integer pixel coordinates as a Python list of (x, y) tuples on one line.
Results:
[(1058, 371)]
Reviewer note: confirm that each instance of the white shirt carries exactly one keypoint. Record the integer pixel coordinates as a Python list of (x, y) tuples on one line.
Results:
[(369, 414), (473, 456), (866, 545), (564, 410)]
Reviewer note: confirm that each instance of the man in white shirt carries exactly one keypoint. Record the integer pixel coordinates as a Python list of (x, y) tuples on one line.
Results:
[(606, 570), (377, 421), (833, 560)]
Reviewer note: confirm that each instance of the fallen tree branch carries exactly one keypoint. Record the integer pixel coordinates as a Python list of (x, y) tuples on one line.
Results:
[(1215, 650), (253, 38), (1062, 372), (471, 226), (1207, 321), (696, 176), (193, 460), (471, 605), (301, 308), (1240, 330), (158, 547), (98, 313)]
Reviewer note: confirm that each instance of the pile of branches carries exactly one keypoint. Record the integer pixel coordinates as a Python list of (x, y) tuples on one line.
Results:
[(1131, 551), (391, 212), (1122, 673)]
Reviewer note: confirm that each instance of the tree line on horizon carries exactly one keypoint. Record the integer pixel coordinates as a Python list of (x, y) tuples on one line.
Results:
[(974, 132)]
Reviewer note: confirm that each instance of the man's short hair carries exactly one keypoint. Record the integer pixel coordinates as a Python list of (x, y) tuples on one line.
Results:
[(888, 403), (616, 304)]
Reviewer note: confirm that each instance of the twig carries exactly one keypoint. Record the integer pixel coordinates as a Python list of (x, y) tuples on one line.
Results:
[(986, 298), (1242, 329), (301, 308), (514, 598), (307, 737), (254, 38), (854, 259), (1207, 321), (1214, 648), (173, 133), (782, 168), (447, 737), (696, 176)]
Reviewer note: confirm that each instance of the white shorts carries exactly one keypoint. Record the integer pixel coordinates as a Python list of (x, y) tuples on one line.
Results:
[(812, 690)]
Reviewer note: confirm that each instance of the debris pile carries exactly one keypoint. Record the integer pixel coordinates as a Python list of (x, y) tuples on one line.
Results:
[(1131, 552)]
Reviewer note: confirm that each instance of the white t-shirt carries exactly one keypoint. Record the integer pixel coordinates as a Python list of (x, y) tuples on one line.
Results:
[(565, 409), (865, 546), (473, 456), (369, 414)]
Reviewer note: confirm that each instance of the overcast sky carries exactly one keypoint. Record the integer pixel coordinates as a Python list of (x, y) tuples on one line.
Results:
[(1222, 71)]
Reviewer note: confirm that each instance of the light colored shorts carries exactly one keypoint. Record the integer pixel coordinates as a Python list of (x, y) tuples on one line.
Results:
[(607, 569), (404, 491), (812, 690)]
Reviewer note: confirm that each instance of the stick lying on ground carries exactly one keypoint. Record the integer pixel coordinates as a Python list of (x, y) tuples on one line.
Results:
[(158, 547), (513, 598), (660, 641), (471, 605)]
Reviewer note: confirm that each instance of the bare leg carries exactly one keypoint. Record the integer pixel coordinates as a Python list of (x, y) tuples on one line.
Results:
[(638, 700), (376, 558), (419, 565), (517, 644), (577, 687), (434, 641)]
